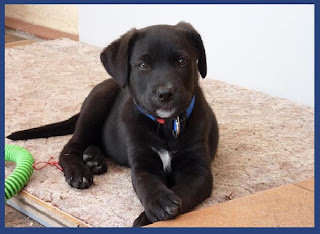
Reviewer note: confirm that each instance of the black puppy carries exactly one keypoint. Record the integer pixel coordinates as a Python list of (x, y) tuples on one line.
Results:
[(152, 116)]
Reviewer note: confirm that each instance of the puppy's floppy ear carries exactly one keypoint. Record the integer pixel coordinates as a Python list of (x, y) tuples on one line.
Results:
[(115, 57), (197, 42)]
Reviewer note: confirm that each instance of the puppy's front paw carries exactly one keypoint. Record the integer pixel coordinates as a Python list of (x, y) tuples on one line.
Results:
[(163, 206), (78, 176), (95, 160)]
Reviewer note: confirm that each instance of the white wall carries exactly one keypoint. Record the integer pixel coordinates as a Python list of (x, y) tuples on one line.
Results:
[(269, 48), (56, 16)]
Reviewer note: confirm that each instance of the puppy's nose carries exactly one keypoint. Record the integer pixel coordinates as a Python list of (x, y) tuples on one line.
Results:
[(165, 94)]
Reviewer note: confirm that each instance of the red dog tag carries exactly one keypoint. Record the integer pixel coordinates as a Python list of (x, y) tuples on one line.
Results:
[(162, 121)]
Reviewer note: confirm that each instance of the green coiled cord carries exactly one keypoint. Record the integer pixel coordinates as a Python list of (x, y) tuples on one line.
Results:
[(22, 172)]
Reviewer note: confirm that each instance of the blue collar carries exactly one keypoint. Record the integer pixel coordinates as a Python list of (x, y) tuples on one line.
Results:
[(176, 128)]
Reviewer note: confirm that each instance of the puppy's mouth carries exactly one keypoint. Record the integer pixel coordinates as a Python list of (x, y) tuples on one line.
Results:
[(164, 110), (170, 110), (166, 113)]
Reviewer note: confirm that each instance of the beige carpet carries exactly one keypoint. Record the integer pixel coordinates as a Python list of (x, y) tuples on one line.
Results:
[(265, 142)]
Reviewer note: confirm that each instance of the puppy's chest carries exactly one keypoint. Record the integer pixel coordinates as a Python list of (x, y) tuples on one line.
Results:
[(166, 158)]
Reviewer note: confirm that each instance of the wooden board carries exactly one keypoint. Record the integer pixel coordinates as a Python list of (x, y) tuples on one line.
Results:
[(18, 43), (43, 212)]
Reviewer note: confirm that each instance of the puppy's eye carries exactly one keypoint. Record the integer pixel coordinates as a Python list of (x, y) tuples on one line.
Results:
[(183, 61), (143, 66)]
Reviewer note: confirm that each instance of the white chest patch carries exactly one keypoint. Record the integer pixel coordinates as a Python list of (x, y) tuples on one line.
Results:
[(165, 158)]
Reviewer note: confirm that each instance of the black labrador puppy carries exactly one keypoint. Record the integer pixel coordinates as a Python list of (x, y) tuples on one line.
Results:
[(152, 117)]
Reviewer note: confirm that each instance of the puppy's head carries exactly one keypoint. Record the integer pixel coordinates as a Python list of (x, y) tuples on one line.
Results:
[(159, 64)]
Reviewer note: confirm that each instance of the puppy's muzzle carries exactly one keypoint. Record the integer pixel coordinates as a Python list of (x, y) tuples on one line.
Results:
[(164, 94)]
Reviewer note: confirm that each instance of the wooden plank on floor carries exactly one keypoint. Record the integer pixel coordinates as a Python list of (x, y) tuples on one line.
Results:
[(290, 205), (43, 212), (18, 43), (12, 38)]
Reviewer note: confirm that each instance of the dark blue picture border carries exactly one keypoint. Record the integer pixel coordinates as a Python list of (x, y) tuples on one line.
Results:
[(2, 29), (162, 230), (161, 1), (317, 102)]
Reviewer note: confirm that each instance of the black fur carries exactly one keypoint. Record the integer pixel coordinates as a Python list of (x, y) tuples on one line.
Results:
[(156, 68), (56, 129)]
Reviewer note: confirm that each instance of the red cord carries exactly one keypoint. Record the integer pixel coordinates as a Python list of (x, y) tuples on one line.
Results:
[(49, 162)]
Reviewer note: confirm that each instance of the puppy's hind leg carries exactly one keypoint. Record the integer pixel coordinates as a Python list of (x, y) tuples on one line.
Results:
[(79, 172), (142, 220)]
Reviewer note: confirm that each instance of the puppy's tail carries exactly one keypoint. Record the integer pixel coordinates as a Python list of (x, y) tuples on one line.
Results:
[(62, 128)]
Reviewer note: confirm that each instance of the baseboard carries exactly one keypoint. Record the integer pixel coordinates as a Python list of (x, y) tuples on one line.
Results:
[(37, 30)]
